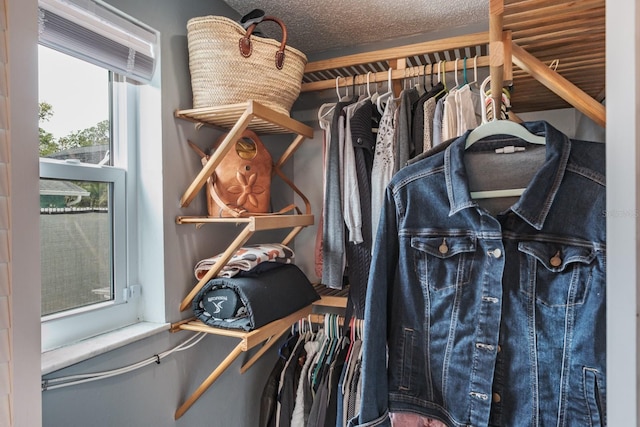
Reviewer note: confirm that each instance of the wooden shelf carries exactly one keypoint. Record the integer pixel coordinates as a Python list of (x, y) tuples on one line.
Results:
[(255, 223), (330, 297), (262, 119)]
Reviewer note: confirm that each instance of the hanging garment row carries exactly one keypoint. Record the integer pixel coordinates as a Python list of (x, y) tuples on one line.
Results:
[(368, 137), (316, 379)]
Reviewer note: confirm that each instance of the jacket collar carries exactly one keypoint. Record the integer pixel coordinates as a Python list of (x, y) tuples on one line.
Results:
[(535, 203)]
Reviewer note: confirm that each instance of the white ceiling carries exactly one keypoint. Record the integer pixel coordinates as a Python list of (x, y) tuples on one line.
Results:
[(318, 25)]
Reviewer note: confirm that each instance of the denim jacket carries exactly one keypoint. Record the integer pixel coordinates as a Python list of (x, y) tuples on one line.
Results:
[(490, 319)]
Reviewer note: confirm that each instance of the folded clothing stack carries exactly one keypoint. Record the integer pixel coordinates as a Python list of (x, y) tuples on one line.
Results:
[(246, 258), (251, 299)]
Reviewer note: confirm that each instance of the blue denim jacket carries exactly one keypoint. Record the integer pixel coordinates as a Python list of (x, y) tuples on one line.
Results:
[(481, 319)]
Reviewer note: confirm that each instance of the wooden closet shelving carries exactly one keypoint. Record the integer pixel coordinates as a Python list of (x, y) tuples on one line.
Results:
[(234, 119), (519, 29), (529, 34)]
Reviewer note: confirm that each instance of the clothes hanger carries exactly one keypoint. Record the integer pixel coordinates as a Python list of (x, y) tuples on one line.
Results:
[(376, 94), (442, 78), (416, 81), (475, 72), (368, 85), (330, 106), (348, 358), (354, 97), (322, 352), (464, 82), (499, 127), (380, 102), (346, 93), (464, 71), (424, 77), (432, 85), (455, 73)]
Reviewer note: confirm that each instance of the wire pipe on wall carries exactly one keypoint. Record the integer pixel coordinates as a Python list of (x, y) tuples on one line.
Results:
[(55, 383)]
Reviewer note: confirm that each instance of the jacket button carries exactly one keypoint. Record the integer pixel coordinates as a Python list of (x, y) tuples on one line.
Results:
[(496, 398), (497, 253), (443, 248), (359, 141), (556, 261)]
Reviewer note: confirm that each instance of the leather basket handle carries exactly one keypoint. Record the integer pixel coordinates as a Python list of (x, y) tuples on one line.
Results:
[(246, 46)]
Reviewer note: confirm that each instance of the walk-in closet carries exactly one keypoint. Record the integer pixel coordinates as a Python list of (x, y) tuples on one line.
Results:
[(450, 237)]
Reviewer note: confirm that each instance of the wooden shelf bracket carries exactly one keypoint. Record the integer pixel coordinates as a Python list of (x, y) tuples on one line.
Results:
[(238, 117), (268, 335)]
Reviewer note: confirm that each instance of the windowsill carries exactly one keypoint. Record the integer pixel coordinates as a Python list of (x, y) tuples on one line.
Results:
[(59, 358)]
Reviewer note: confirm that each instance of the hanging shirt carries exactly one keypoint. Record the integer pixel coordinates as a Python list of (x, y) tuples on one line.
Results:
[(404, 148), (482, 317), (350, 189), (437, 123), (333, 259), (419, 120), (468, 109), (450, 116), (365, 119), (298, 418), (429, 113), (383, 162), (325, 124)]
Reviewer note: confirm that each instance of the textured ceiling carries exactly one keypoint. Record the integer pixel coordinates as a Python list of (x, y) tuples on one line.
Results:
[(318, 25)]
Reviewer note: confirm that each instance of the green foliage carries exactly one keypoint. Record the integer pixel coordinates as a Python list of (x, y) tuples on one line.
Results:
[(46, 111), (48, 145), (99, 197), (95, 135)]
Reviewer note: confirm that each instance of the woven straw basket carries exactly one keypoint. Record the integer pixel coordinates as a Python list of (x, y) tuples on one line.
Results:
[(229, 66)]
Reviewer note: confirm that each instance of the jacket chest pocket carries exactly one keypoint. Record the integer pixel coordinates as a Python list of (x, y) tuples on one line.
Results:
[(556, 275), (443, 262)]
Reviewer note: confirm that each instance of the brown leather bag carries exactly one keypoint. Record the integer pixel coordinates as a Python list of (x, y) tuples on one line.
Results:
[(241, 183)]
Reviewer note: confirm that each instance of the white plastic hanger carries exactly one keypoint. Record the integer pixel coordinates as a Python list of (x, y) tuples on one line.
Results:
[(455, 73), (346, 93), (380, 102), (442, 77), (475, 72), (499, 127), (327, 108), (503, 127), (376, 94)]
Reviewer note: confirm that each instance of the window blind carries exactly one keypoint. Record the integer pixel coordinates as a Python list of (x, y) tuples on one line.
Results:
[(96, 33)]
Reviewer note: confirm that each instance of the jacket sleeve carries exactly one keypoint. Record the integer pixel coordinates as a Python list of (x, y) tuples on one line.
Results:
[(374, 409)]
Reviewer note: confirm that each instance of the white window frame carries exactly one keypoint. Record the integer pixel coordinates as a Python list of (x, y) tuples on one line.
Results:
[(72, 326), (75, 324)]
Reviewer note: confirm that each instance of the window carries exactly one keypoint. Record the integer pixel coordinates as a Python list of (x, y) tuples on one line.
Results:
[(93, 62)]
